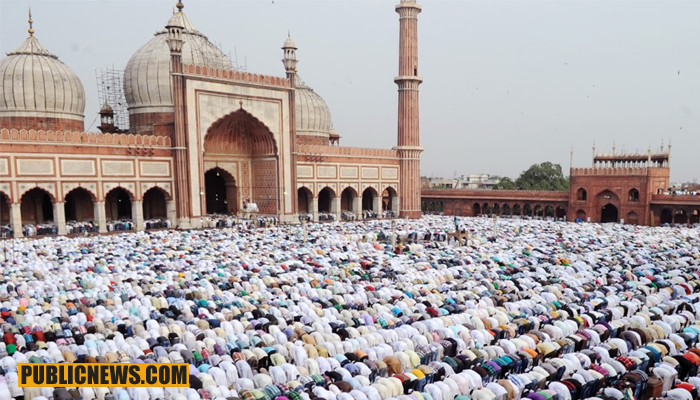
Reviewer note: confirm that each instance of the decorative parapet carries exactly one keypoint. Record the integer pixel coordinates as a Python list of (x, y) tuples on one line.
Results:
[(236, 76), (522, 195), (316, 150), (23, 136), (675, 200), (616, 171)]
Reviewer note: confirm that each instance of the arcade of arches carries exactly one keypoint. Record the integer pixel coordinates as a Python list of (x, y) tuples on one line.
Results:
[(368, 204), (557, 211), (39, 209)]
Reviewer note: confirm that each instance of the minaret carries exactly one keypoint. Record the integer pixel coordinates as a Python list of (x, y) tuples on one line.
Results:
[(183, 191), (408, 122), (290, 66), (290, 57)]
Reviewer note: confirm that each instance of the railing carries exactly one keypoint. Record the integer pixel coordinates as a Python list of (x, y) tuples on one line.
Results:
[(118, 139), (523, 195), (613, 171), (234, 75), (315, 149)]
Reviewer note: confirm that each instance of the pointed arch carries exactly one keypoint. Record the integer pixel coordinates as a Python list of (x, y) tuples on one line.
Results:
[(368, 196), (221, 192), (325, 199), (155, 203), (304, 200), (347, 198), (37, 206), (118, 203), (79, 205), (239, 132)]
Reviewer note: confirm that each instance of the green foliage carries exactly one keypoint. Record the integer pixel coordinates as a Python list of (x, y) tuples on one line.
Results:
[(505, 183), (544, 176)]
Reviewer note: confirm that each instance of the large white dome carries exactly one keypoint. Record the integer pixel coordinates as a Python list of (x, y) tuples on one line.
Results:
[(147, 81), (35, 84), (313, 118)]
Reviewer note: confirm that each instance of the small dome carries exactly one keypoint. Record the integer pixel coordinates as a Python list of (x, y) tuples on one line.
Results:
[(289, 43), (106, 108), (312, 114), (36, 84), (147, 81)]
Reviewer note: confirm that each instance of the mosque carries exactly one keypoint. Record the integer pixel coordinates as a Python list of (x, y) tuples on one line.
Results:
[(204, 138)]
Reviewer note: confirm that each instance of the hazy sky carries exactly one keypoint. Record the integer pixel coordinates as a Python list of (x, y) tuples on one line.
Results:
[(506, 84)]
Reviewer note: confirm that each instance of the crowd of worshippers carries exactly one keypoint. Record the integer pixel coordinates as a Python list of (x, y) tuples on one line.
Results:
[(535, 310)]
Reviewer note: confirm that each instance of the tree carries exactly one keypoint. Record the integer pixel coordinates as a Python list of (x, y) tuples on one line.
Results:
[(544, 176), (505, 183)]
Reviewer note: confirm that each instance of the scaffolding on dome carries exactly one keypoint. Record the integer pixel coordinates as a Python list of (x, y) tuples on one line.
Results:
[(210, 60), (110, 90)]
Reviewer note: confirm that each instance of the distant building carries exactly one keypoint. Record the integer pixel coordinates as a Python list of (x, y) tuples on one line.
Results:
[(617, 187), (473, 181)]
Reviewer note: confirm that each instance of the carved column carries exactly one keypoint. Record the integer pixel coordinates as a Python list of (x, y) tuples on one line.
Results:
[(314, 208), (357, 207), (336, 208), (59, 217), (137, 214), (100, 216), (377, 205), (16, 220)]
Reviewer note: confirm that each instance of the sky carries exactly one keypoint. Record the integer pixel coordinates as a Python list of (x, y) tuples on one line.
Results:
[(507, 84)]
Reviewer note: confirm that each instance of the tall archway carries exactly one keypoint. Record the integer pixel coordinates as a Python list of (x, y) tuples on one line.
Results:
[(609, 213), (680, 217), (476, 209), (666, 216), (221, 192), (561, 212), (347, 199), (549, 211), (155, 204), (607, 204), (517, 210), (304, 200), (4, 215), (506, 209), (389, 199), (79, 205), (118, 205), (240, 138), (496, 209), (325, 200), (368, 196), (632, 218), (527, 210), (694, 217), (580, 216), (37, 207), (539, 211), (439, 207), (486, 209)]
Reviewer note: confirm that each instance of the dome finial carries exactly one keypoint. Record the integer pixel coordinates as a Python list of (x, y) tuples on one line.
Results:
[(179, 5), (31, 23)]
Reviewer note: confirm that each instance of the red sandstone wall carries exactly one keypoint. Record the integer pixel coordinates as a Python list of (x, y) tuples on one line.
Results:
[(42, 123), (144, 123)]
